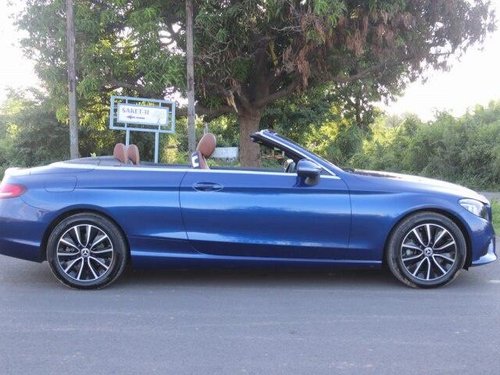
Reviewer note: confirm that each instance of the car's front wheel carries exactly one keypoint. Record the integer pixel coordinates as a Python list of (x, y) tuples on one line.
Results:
[(86, 251), (426, 250)]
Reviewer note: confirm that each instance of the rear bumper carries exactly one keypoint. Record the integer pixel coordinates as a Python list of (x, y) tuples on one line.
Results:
[(21, 230), (21, 249)]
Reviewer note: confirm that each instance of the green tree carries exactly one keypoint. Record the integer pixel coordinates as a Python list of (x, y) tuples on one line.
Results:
[(30, 133), (251, 53)]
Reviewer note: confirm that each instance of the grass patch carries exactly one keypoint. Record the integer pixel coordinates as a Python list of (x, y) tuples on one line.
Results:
[(495, 205)]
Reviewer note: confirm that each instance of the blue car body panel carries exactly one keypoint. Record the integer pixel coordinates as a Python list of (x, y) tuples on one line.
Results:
[(182, 216), (266, 215)]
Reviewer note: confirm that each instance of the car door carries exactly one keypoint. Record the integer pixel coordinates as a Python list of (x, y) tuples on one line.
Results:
[(265, 214)]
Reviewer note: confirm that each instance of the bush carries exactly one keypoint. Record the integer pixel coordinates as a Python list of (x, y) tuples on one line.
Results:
[(30, 133), (465, 150), (495, 206)]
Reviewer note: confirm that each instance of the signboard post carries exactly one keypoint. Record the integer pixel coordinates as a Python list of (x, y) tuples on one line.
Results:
[(142, 115)]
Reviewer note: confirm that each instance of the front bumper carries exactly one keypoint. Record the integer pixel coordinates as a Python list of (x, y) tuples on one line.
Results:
[(490, 255)]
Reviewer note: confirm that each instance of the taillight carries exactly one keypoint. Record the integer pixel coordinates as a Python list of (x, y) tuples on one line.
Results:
[(11, 190)]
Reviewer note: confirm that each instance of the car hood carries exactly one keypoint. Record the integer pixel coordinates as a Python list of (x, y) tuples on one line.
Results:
[(427, 184)]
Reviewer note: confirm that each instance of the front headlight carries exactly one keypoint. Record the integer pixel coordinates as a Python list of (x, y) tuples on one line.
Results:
[(476, 207)]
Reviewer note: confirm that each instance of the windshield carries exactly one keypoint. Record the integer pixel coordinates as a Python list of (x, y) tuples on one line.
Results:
[(329, 164)]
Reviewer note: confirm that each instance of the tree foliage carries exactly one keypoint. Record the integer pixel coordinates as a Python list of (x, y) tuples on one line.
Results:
[(250, 53), (30, 133), (464, 150)]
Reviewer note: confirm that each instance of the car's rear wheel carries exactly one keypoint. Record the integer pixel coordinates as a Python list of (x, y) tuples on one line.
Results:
[(426, 250), (86, 251)]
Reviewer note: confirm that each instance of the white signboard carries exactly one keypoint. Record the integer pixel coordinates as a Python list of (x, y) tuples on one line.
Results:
[(142, 115), (145, 115), (225, 153)]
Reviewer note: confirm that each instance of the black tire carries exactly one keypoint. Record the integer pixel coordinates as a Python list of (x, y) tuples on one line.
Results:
[(86, 251), (426, 250)]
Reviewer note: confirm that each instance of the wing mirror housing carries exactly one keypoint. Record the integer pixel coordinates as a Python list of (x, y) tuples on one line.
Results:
[(308, 172)]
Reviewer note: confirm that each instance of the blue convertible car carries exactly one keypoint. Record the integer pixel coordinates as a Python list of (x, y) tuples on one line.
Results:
[(88, 217)]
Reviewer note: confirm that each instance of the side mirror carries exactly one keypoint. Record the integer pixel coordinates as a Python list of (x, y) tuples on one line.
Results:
[(308, 172)]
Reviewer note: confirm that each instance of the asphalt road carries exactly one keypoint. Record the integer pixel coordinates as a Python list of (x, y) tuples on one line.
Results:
[(248, 322), (491, 194)]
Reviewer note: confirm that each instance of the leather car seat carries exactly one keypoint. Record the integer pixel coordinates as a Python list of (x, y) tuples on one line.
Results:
[(133, 154), (205, 149), (120, 153)]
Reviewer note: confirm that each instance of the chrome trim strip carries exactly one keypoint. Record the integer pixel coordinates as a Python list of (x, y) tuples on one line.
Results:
[(62, 164)]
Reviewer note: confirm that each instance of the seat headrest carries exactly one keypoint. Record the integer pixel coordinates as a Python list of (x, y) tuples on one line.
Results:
[(207, 144), (133, 154), (120, 153)]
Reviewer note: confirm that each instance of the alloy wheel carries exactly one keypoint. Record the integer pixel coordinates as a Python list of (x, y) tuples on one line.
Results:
[(428, 252), (85, 253)]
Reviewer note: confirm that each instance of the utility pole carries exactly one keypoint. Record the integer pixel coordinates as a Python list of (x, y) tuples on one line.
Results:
[(190, 76), (73, 116)]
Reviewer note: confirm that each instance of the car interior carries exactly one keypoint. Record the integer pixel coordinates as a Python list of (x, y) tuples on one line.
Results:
[(273, 158)]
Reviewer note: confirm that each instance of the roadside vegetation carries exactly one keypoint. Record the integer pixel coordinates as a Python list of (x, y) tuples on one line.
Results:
[(311, 70), (495, 205), (465, 150), (249, 54)]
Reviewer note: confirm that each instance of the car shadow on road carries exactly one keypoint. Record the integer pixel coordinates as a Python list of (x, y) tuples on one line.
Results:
[(257, 277), (20, 274)]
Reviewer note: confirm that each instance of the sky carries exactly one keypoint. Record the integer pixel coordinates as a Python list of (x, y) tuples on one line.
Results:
[(475, 79), (16, 71)]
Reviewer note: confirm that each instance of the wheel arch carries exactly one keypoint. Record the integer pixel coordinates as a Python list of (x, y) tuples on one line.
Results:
[(455, 219), (66, 214)]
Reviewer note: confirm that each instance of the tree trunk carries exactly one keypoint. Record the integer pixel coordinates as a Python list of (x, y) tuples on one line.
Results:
[(73, 116), (249, 151), (190, 77)]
